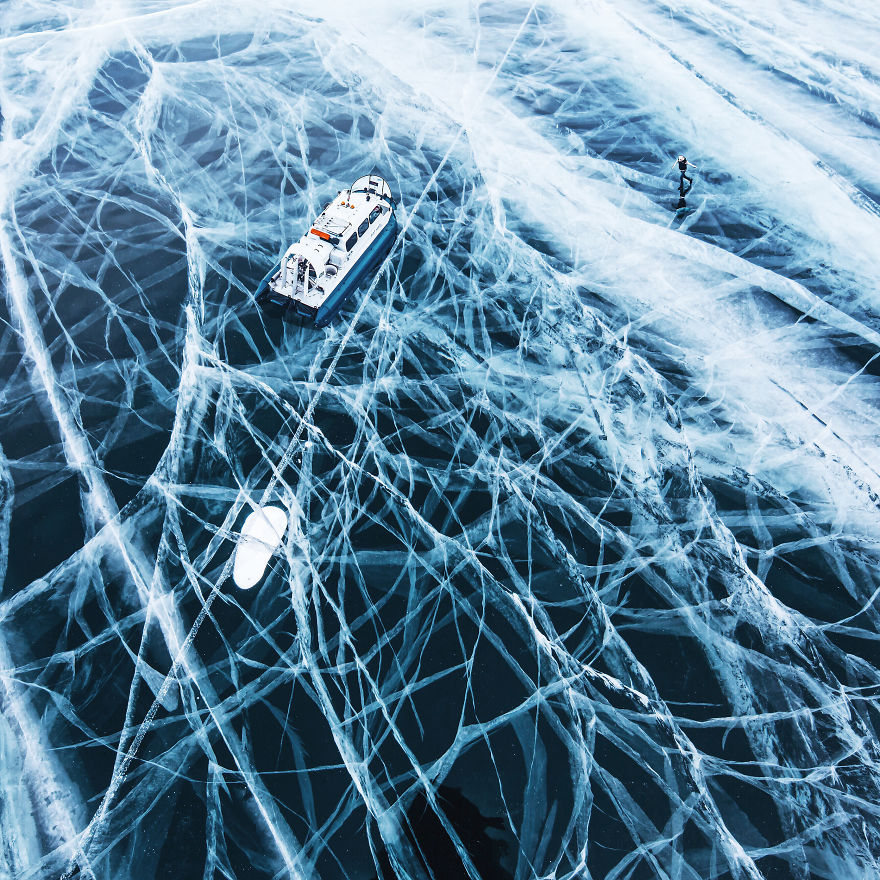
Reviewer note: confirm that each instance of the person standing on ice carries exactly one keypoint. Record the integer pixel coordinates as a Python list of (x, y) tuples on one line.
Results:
[(683, 166)]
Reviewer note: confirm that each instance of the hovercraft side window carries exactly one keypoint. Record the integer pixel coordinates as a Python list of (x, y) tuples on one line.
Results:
[(363, 227), (375, 213), (351, 242)]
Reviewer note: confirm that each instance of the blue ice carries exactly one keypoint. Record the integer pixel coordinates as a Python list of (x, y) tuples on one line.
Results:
[(579, 569)]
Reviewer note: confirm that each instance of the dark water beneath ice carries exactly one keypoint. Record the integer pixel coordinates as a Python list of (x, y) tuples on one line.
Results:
[(581, 579)]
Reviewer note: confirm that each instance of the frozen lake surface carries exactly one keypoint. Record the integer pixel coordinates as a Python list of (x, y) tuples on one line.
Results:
[(580, 576)]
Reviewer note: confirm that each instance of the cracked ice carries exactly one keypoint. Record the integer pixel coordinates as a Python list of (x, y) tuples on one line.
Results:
[(581, 571)]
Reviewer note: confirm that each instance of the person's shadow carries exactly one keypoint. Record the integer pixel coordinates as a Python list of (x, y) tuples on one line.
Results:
[(435, 848)]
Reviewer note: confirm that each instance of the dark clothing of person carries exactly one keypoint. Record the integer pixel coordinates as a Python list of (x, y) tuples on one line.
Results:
[(681, 190), (682, 168)]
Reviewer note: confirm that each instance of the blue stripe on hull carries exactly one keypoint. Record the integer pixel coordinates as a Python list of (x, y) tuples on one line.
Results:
[(264, 284), (261, 295)]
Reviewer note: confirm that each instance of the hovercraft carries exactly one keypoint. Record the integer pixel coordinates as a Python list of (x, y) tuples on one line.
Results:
[(346, 242)]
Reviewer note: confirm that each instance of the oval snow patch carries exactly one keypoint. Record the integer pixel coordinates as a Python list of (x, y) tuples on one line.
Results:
[(260, 536)]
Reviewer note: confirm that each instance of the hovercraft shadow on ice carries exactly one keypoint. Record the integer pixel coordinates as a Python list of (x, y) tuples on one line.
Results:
[(347, 241)]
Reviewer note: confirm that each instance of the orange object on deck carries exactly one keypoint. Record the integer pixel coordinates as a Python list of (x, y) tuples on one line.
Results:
[(320, 234)]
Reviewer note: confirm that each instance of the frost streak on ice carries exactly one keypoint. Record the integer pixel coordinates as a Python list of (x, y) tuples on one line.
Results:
[(581, 576)]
